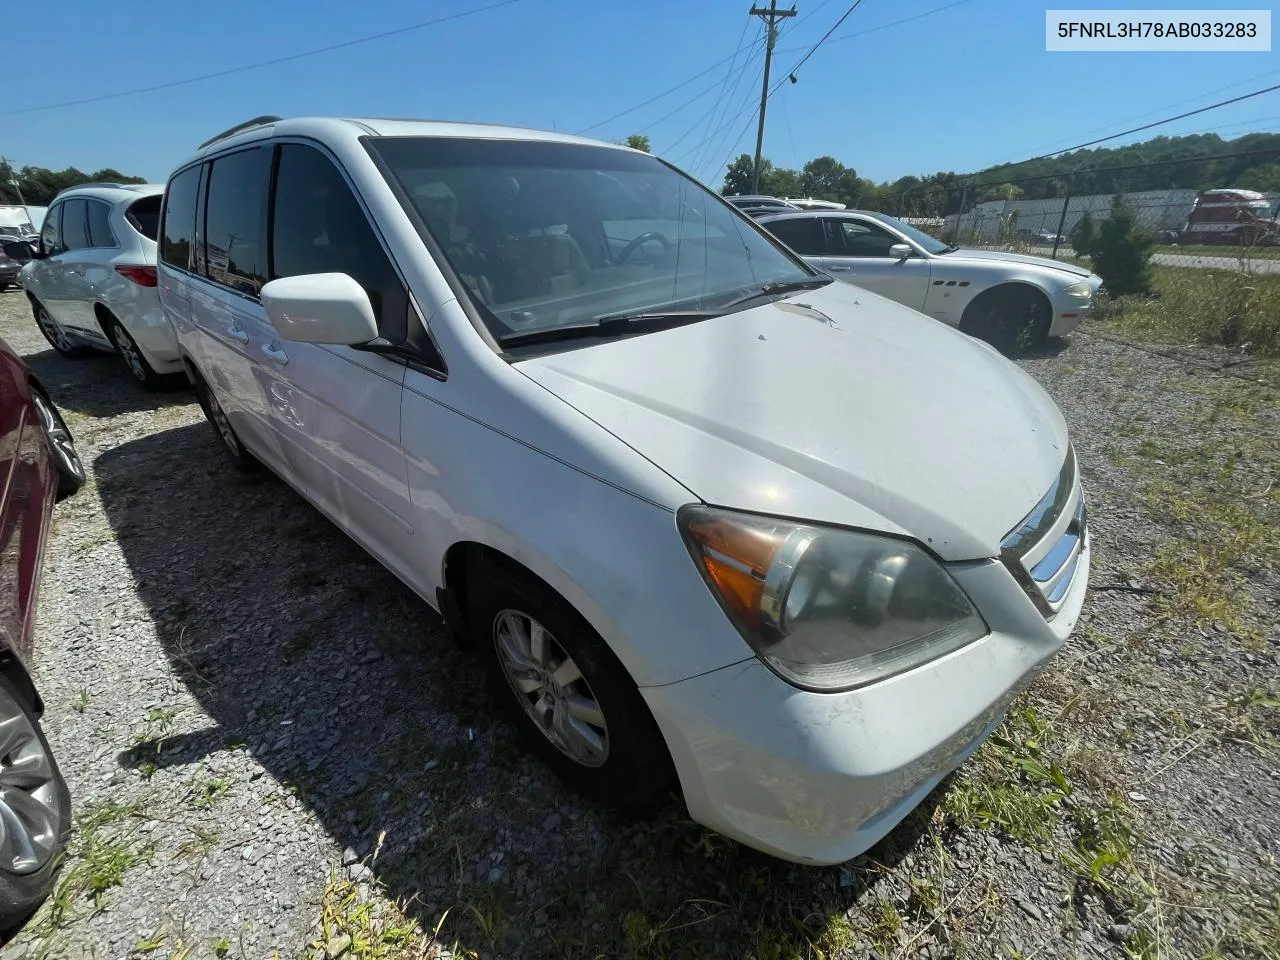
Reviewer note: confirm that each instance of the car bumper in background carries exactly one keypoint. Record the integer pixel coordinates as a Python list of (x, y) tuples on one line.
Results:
[(819, 778), (146, 322)]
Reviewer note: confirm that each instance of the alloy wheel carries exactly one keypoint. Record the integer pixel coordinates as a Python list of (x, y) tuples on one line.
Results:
[(129, 351), (61, 444), (52, 329), (551, 688), (29, 820)]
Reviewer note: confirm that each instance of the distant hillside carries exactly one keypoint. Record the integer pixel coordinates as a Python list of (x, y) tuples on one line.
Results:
[(1255, 166)]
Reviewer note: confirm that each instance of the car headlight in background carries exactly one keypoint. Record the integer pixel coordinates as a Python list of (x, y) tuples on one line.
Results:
[(828, 609), (1079, 291)]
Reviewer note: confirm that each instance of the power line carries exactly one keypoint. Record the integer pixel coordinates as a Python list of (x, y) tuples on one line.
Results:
[(1145, 126), (264, 63), (721, 99), (730, 117), (894, 23), (645, 103), (814, 49), (770, 15), (692, 100), (731, 107)]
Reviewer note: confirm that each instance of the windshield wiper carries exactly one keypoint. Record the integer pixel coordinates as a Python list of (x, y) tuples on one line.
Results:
[(781, 286), (615, 325)]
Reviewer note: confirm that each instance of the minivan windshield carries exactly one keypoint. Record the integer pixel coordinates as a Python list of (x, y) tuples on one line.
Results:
[(550, 235), (930, 244)]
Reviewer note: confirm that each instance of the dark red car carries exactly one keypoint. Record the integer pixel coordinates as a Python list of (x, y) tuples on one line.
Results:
[(38, 464)]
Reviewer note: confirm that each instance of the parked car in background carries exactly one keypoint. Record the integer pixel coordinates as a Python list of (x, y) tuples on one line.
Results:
[(15, 223), (1046, 236), (778, 597), (753, 201), (14, 255), (38, 464), (1003, 298), (92, 284)]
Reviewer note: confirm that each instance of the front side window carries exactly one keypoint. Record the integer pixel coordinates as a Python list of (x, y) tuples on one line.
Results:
[(100, 234), (50, 236), (317, 226), (546, 235), (75, 224), (178, 226), (862, 239), (919, 237), (235, 221)]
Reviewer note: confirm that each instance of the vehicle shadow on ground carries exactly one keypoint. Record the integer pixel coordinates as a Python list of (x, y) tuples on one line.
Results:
[(99, 385), (344, 686)]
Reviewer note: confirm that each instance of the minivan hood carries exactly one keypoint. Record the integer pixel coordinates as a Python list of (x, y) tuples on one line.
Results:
[(966, 254), (834, 405)]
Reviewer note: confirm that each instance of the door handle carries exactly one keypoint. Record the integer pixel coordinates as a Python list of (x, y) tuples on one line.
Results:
[(276, 354), (840, 268), (235, 332)]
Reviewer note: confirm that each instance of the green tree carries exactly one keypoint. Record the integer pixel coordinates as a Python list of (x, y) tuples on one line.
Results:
[(826, 178), (1122, 252), (1265, 178), (638, 141), (1084, 235), (39, 185)]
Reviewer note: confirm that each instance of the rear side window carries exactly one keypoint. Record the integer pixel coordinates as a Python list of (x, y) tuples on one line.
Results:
[(235, 221), (144, 216), (318, 226), (179, 218), (803, 235), (50, 237), (75, 225), (100, 234)]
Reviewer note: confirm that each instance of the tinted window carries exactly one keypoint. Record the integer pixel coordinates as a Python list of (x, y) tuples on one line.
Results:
[(318, 227), (235, 220), (75, 226), (179, 220), (144, 216), (50, 238), (100, 225), (803, 235), (864, 240)]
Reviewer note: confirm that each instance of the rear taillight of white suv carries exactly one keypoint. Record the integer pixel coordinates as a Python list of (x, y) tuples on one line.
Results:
[(143, 276)]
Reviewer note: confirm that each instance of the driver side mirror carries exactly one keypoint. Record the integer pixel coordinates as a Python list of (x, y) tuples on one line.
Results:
[(320, 308), (900, 251)]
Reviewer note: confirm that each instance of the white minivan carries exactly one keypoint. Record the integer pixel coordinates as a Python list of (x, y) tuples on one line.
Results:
[(711, 520)]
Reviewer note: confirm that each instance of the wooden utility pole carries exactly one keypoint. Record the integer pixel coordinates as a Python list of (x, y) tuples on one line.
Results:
[(770, 15)]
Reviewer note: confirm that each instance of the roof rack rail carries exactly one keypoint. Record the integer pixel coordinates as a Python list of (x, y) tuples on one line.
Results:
[(239, 127), (97, 183)]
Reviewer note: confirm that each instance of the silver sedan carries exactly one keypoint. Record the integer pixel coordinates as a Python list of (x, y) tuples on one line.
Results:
[(1004, 298)]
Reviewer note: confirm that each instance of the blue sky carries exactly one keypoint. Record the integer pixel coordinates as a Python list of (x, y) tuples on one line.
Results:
[(954, 90)]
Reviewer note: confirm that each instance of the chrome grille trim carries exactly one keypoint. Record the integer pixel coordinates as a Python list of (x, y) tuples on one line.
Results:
[(1048, 578)]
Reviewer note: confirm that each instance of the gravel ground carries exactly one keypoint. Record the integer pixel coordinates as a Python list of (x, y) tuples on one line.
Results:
[(273, 749)]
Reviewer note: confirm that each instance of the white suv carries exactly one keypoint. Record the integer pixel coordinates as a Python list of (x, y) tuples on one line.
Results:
[(709, 518), (92, 284)]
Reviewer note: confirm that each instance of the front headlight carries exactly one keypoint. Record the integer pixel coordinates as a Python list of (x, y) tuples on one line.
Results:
[(1079, 291), (828, 609)]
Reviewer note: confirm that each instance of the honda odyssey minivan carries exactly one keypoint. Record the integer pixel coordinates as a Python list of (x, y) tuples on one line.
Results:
[(712, 521)]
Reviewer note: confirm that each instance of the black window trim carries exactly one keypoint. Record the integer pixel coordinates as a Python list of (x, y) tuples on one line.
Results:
[(55, 206), (413, 355), (115, 241), (62, 224)]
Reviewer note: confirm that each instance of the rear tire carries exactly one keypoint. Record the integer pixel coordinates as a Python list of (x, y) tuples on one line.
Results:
[(62, 446), (35, 808), (241, 458), (57, 334), (573, 702), (1010, 318), (133, 356)]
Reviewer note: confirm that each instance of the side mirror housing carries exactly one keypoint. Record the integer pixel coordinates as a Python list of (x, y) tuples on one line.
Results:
[(320, 308), (900, 251)]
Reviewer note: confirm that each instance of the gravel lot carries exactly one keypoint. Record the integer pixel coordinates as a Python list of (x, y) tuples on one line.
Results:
[(273, 749)]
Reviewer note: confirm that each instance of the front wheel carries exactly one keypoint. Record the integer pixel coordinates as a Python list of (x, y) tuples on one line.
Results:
[(1009, 318), (35, 812), (57, 334), (62, 446), (566, 692)]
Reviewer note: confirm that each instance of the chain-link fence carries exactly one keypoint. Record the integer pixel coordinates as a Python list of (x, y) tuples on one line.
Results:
[(1198, 217)]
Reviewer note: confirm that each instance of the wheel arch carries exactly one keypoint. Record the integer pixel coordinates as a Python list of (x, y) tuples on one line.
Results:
[(15, 671), (1018, 284), (102, 313)]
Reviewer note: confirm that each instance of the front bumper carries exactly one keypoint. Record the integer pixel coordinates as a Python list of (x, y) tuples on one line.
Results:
[(819, 778), (1070, 312)]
